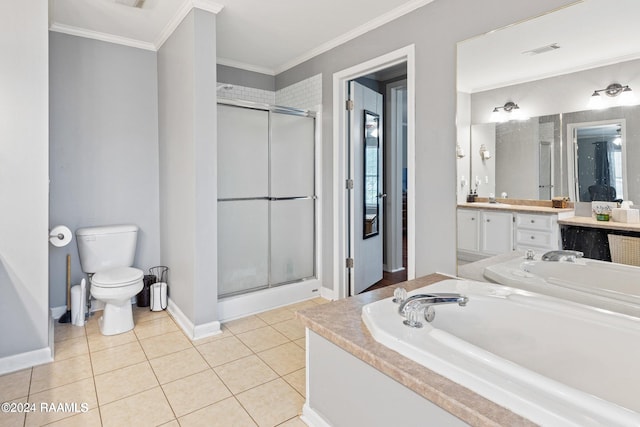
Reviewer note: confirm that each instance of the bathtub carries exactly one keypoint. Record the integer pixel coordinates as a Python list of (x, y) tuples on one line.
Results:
[(555, 362), (602, 284)]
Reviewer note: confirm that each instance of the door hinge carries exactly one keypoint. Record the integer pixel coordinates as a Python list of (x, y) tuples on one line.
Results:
[(349, 184), (349, 262), (349, 105)]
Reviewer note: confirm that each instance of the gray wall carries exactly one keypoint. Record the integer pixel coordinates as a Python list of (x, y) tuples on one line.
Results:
[(24, 151), (434, 29), (240, 77), (104, 147), (187, 119)]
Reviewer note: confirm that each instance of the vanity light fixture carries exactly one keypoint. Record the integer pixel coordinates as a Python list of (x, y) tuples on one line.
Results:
[(508, 111), (621, 95)]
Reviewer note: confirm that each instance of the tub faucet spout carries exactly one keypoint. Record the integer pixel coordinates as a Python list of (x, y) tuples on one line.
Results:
[(428, 300), (562, 255)]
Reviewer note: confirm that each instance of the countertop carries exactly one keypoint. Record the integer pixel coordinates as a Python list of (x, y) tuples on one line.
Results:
[(340, 322), (585, 221), (515, 208)]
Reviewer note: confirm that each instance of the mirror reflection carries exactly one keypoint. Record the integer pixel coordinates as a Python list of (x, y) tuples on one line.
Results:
[(552, 71), (371, 180)]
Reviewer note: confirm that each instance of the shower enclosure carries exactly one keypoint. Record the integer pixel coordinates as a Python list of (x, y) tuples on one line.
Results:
[(266, 197)]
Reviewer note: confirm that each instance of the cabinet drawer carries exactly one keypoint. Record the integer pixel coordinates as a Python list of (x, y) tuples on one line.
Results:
[(534, 222), (535, 238)]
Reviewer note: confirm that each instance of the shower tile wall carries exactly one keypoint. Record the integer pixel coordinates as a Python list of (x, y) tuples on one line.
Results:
[(306, 94), (244, 93)]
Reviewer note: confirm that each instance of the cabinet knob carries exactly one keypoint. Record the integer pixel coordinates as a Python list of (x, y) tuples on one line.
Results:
[(488, 220), (533, 237), (533, 221)]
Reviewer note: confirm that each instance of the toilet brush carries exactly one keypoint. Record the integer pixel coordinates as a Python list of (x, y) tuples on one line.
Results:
[(66, 317)]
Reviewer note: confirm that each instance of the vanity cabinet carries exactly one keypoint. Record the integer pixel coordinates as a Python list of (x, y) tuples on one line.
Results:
[(483, 233), (539, 232), (496, 232)]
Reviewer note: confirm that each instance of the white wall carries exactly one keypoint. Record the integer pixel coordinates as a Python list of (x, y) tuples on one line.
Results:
[(104, 147), (24, 109), (188, 187)]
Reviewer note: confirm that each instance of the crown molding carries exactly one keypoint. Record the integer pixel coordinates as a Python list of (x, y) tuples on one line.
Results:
[(356, 32), (245, 66), (96, 35), (208, 5), (184, 10)]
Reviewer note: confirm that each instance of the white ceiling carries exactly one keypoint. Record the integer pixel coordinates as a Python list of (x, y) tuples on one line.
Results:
[(591, 33), (259, 35)]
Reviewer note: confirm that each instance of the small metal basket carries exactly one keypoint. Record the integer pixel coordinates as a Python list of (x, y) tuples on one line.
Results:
[(160, 273)]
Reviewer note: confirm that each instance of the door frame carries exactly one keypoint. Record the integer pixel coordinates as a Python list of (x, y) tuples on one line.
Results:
[(343, 214)]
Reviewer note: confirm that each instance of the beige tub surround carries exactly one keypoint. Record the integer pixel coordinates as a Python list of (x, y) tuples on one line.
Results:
[(338, 327)]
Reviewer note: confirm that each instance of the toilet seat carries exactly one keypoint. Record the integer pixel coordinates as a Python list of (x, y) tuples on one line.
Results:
[(117, 277)]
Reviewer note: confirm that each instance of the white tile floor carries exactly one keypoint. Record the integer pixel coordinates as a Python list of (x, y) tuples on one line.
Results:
[(252, 374)]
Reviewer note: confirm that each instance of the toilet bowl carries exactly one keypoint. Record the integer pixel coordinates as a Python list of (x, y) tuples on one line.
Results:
[(115, 287)]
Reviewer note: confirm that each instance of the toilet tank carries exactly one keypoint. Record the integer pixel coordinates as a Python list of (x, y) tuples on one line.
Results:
[(110, 246)]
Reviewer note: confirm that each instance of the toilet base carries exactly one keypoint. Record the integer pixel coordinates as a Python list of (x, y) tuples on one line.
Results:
[(116, 318)]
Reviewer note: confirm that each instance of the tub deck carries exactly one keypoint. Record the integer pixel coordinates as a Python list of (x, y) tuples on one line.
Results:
[(341, 323)]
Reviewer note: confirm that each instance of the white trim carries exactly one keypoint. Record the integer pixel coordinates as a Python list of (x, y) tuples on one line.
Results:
[(96, 35), (245, 66), (57, 312), (340, 79), (328, 294), (267, 299), (17, 362), (379, 21), (311, 418), (194, 332), (208, 5)]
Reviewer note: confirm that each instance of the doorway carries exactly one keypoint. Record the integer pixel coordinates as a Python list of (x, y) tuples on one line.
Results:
[(346, 256)]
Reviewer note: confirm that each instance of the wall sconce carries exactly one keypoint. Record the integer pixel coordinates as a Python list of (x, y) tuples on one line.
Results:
[(507, 112), (459, 151), (621, 95), (484, 153)]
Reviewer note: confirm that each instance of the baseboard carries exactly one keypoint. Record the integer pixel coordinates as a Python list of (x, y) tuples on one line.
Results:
[(312, 418), (194, 332), (57, 312), (328, 294), (25, 360)]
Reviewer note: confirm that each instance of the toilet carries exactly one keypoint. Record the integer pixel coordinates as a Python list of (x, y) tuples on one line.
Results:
[(106, 255)]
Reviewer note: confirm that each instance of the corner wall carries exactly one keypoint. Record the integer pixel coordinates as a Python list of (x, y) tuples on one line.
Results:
[(104, 147), (24, 160), (188, 184)]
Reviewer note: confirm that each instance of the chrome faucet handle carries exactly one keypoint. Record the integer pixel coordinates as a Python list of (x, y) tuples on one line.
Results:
[(412, 315), (530, 254), (399, 295)]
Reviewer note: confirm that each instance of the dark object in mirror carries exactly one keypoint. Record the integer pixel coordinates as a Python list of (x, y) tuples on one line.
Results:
[(372, 195)]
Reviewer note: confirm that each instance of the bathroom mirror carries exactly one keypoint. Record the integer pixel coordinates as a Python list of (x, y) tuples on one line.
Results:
[(371, 173), (550, 68)]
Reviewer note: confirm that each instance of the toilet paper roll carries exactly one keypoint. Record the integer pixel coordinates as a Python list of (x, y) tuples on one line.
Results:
[(60, 236)]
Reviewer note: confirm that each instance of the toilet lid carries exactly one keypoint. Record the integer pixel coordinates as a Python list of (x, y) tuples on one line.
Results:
[(121, 276)]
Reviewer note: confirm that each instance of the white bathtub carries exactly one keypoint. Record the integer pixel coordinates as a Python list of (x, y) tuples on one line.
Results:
[(602, 284), (552, 361)]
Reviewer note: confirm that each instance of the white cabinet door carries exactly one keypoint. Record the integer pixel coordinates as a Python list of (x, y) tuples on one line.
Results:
[(496, 232), (468, 230)]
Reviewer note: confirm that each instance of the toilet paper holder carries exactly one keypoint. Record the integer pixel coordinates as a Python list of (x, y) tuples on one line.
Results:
[(60, 235)]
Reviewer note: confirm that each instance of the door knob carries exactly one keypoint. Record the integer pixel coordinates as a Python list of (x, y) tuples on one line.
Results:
[(382, 195)]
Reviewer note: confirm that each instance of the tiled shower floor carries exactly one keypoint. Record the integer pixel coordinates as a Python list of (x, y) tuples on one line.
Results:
[(251, 374)]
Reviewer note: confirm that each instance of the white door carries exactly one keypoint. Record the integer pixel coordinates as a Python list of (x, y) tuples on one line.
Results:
[(366, 151)]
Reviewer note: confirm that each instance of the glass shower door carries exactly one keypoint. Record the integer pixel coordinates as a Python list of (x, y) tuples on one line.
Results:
[(266, 198), (243, 204), (293, 199)]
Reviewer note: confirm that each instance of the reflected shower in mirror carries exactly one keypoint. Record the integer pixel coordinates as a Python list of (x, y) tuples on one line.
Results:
[(371, 173)]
